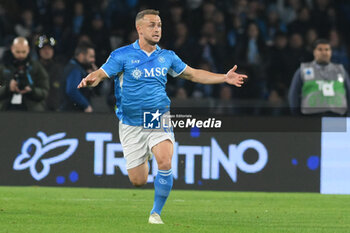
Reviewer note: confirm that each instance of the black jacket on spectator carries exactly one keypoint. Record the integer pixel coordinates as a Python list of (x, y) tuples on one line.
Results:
[(39, 83), (55, 71)]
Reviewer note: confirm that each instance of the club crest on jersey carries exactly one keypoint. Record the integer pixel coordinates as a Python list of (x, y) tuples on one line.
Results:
[(161, 59), (136, 73)]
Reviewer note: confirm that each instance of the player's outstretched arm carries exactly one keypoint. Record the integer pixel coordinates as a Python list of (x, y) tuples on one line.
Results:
[(93, 79), (206, 77)]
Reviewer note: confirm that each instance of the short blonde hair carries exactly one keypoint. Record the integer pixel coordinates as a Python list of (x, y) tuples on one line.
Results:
[(141, 14)]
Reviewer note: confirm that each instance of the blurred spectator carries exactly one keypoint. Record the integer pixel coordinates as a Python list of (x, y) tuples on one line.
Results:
[(201, 16), (132, 37), (208, 11), (214, 31), (78, 99), (118, 11), (322, 16), (99, 36), (251, 47), (45, 48), (60, 29), (240, 9), (182, 43), (58, 5), (310, 38), (41, 10), (339, 49), (26, 26), (108, 85), (6, 27), (320, 87), (193, 4), (24, 82), (235, 31), (297, 53), (200, 90), (78, 18), (272, 26), (225, 105), (225, 92), (84, 38), (176, 13), (250, 53), (302, 24), (288, 9), (176, 16), (210, 49), (181, 94), (254, 11), (278, 78), (220, 26)]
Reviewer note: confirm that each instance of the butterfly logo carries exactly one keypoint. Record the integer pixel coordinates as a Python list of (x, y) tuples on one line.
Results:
[(41, 147)]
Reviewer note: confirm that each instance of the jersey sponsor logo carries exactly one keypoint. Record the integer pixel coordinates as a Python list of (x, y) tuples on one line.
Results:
[(156, 72), (136, 73), (40, 152)]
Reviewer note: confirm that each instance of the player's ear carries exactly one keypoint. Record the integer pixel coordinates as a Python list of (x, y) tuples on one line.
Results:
[(138, 28)]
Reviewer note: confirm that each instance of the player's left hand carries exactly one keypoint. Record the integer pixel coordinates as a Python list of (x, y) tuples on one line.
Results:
[(234, 78)]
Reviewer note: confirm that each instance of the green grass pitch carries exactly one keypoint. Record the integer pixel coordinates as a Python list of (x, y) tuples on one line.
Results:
[(41, 209)]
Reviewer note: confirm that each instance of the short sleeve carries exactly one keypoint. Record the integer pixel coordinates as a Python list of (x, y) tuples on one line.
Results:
[(114, 64), (177, 65)]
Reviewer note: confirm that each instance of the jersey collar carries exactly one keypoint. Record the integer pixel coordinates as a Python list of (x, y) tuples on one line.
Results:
[(137, 46)]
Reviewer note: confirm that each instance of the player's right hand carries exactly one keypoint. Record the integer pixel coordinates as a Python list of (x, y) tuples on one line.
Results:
[(88, 81), (93, 79)]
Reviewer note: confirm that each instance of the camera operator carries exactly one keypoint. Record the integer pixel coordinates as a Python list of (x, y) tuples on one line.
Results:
[(24, 82)]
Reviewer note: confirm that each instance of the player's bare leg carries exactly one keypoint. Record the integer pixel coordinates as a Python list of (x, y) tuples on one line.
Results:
[(163, 182), (163, 152), (138, 175)]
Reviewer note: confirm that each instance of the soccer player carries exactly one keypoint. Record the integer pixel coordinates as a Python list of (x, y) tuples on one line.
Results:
[(140, 70)]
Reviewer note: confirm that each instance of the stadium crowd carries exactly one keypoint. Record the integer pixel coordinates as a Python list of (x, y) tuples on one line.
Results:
[(267, 39)]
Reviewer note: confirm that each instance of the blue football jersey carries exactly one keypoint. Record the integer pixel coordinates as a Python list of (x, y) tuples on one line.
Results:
[(140, 80)]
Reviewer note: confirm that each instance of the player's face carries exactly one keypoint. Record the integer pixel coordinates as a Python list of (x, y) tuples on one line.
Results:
[(151, 28), (20, 51), (323, 53)]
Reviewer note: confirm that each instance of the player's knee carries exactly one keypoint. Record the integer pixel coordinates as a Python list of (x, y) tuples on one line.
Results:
[(164, 163), (139, 182)]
